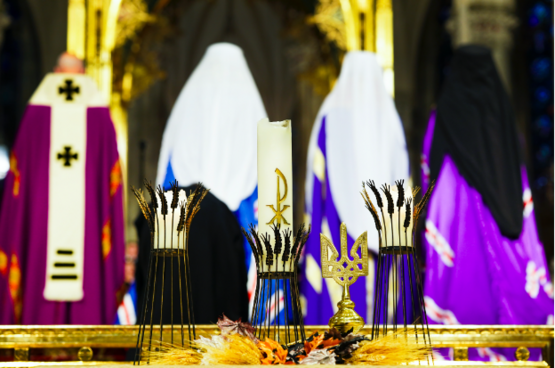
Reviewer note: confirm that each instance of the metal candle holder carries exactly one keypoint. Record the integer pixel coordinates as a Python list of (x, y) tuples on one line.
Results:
[(398, 270), (277, 282), (169, 219)]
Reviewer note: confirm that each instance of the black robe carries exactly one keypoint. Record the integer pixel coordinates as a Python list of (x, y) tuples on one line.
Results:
[(476, 126), (218, 270)]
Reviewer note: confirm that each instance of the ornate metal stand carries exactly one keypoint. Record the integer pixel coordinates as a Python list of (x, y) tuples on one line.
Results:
[(277, 312), (169, 220), (345, 272), (398, 291)]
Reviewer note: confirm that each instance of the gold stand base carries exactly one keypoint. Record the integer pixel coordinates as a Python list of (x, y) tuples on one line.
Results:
[(346, 318)]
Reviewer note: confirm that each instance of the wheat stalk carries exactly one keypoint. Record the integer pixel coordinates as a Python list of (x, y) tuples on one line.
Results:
[(392, 349)]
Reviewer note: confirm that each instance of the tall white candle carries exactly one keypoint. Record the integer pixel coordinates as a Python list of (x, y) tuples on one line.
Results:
[(275, 183)]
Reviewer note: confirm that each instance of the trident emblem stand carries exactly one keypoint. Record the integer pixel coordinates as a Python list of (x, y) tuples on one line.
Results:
[(345, 272)]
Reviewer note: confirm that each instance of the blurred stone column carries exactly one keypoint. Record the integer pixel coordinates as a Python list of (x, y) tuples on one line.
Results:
[(4, 21), (489, 23)]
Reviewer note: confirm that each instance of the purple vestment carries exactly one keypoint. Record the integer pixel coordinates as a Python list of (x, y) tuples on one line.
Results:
[(475, 275), (357, 136), (24, 224), (318, 299)]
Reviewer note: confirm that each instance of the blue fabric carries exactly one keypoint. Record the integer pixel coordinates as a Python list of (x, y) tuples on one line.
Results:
[(246, 215), (132, 292), (170, 177)]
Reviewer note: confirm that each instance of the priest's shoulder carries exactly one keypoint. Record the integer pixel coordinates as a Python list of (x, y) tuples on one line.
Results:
[(210, 203), (68, 89), (212, 208)]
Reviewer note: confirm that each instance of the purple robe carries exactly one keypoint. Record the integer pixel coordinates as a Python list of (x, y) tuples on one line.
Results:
[(475, 275), (24, 224)]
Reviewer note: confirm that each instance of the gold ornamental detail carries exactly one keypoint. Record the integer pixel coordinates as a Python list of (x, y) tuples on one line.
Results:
[(278, 213), (345, 272)]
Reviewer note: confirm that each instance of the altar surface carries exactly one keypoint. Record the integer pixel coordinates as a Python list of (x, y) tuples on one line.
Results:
[(108, 365), (88, 339)]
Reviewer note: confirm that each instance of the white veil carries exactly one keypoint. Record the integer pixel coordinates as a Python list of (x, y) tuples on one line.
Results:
[(364, 140), (211, 133)]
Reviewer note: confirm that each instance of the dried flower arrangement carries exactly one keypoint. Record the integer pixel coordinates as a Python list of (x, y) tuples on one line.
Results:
[(237, 345)]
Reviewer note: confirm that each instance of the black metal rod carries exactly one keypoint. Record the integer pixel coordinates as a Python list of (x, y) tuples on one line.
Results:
[(257, 288), (413, 302), (180, 288), (163, 280), (154, 284), (376, 289), (276, 304), (421, 300), (421, 295), (256, 305), (386, 299), (267, 307), (189, 282), (403, 291), (255, 301), (171, 281), (152, 307), (383, 293), (141, 336), (285, 307), (394, 276), (403, 286), (262, 309), (187, 293)]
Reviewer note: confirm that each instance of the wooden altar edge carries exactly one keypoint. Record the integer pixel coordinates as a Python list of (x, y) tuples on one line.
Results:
[(66, 336)]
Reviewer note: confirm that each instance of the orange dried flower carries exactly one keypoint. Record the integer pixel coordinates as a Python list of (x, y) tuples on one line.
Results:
[(313, 344), (273, 352), (330, 343), (318, 342)]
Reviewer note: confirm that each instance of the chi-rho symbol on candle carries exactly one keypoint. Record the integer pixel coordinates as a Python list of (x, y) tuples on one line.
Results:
[(278, 213)]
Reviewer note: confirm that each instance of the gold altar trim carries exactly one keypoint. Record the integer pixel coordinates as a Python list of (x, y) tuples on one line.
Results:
[(65, 336), (23, 338), (449, 364)]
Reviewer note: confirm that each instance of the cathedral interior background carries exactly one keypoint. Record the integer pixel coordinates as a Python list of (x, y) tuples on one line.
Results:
[(294, 50)]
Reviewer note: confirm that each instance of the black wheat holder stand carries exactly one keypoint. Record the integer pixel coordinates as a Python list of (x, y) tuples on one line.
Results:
[(275, 286), (398, 293), (169, 252)]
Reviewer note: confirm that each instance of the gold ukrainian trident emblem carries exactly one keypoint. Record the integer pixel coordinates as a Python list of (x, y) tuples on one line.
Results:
[(345, 272), (278, 213)]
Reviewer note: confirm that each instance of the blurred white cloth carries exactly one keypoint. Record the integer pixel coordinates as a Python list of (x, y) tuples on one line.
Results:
[(211, 133), (364, 141)]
